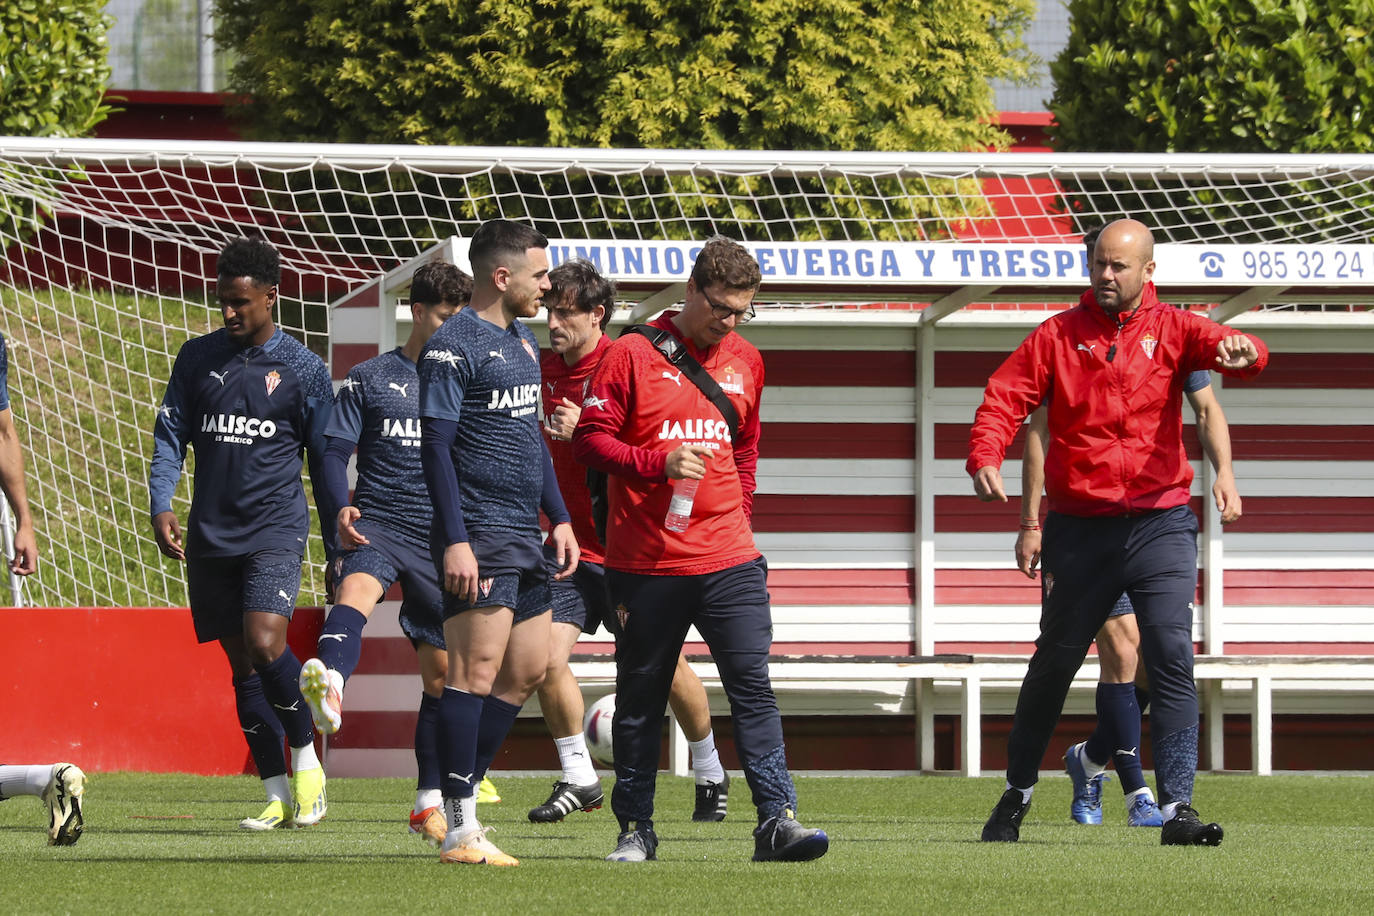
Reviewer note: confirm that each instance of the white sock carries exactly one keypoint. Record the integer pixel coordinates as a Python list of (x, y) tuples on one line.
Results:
[(576, 762), (705, 761), (461, 814), (427, 798), (1143, 790), (1168, 811), (1090, 767), (303, 758), (24, 779), (1025, 793), (278, 789)]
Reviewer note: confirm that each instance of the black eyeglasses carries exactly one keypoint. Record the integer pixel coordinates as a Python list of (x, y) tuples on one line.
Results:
[(725, 313)]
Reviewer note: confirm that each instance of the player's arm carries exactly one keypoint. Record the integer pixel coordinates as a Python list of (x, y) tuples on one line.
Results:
[(566, 551), (1017, 387), (596, 441), (1032, 483), (441, 479), (341, 438), (25, 559), (318, 403), (747, 448), (170, 438), (1215, 435), (444, 376)]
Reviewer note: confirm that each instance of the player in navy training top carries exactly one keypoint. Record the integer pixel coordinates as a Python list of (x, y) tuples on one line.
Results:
[(384, 530), (249, 399), (60, 785), (488, 473)]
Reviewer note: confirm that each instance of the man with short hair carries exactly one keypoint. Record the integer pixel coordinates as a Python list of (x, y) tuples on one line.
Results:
[(488, 473), (61, 785), (580, 302), (1110, 372), (384, 531), (249, 398), (1122, 690), (647, 424)]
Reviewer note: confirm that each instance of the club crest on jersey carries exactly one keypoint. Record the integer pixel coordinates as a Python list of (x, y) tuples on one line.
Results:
[(1148, 344), (273, 379), (528, 349), (484, 586), (731, 382)]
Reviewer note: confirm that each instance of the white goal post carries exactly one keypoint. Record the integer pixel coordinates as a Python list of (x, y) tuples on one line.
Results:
[(110, 247)]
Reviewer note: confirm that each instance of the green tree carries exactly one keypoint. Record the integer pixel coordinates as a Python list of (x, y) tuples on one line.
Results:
[(1217, 76), (53, 69), (718, 74)]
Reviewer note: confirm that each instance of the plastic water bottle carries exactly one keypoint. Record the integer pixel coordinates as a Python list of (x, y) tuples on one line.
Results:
[(680, 507)]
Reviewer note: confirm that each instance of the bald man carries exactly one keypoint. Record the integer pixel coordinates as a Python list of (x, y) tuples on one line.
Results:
[(1111, 373)]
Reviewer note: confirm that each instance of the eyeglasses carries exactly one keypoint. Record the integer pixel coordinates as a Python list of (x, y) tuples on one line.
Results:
[(725, 313)]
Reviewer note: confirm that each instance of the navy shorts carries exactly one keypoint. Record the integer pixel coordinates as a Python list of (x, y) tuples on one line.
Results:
[(221, 589), (582, 599), (1122, 607), (392, 557), (510, 567)]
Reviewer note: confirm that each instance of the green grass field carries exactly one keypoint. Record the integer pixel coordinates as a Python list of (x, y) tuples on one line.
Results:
[(907, 844)]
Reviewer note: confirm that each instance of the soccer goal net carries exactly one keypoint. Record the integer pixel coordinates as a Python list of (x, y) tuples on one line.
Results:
[(110, 250)]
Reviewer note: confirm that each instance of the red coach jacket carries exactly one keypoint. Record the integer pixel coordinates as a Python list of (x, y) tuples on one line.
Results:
[(1114, 395)]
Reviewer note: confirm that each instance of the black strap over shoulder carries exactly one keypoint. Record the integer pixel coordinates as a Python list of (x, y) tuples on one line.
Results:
[(676, 354)]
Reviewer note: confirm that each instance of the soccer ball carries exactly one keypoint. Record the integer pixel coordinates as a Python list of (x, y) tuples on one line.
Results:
[(597, 728)]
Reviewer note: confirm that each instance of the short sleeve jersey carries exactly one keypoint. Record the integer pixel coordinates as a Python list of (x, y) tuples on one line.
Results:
[(249, 413), (378, 409), (486, 379), (1196, 381), (572, 382)]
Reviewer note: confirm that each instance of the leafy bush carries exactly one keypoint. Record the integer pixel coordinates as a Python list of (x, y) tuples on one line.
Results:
[(54, 63)]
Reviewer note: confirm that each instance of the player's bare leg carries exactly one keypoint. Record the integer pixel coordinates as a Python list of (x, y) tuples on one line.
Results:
[(560, 699)]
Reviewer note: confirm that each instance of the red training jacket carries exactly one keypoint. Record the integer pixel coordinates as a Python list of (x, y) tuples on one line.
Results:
[(572, 382), (638, 410), (1114, 396)]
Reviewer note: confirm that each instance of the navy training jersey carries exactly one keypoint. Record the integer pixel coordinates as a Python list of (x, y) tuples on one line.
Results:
[(248, 412), (378, 409), (4, 373), (486, 379)]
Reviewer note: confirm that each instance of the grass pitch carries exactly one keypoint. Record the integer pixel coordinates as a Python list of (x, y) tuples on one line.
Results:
[(907, 844)]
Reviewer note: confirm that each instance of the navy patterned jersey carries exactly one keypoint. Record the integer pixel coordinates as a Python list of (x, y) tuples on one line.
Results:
[(4, 373), (486, 379), (378, 410), (248, 412)]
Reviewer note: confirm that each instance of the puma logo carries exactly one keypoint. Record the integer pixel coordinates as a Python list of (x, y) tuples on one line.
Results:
[(218, 375), (401, 388)]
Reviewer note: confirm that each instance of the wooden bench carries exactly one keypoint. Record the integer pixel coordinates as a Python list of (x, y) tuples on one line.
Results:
[(1261, 675)]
